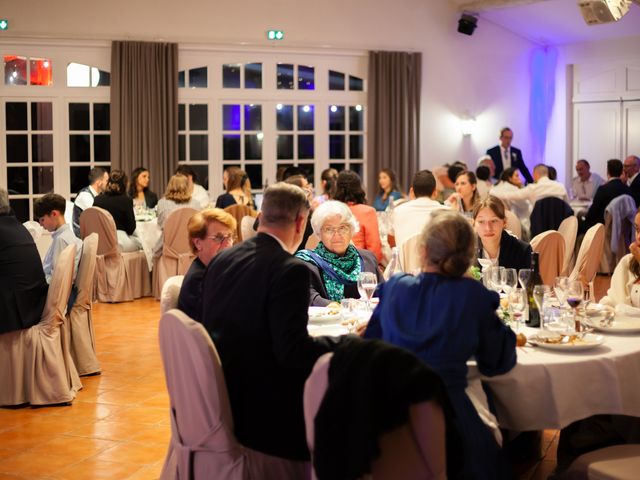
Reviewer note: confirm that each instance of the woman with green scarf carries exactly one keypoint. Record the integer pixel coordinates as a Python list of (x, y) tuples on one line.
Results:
[(335, 263)]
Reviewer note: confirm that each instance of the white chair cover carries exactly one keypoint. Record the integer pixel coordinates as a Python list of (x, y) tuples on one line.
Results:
[(409, 254), (35, 363), (620, 462), (619, 231), (589, 256), (569, 231), (176, 254), (170, 293), (550, 247), (83, 339), (513, 223), (41, 237), (246, 227)]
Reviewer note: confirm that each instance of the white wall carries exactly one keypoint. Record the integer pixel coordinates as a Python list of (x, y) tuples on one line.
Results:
[(486, 75)]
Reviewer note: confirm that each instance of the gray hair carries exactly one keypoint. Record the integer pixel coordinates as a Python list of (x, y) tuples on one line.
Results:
[(4, 202), (541, 169), (332, 208), (450, 243), (282, 203)]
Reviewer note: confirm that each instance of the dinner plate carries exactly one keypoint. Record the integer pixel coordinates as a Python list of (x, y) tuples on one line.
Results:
[(323, 314), (330, 330), (619, 325), (589, 341), (595, 309)]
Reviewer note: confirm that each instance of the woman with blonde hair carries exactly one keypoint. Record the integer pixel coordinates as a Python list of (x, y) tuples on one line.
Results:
[(236, 183), (177, 195), (446, 319)]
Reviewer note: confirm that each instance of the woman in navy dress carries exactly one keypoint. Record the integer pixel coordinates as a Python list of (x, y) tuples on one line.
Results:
[(446, 319)]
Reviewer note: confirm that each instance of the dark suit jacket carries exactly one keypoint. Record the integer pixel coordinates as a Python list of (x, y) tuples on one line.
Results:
[(547, 214), (121, 209), (190, 298), (635, 190), (23, 288), (604, 194), (514, 253), (255, 301), (516, 162), (319, 295)]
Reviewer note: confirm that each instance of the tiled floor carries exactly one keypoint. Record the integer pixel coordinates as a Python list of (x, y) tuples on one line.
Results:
[(118, 426)]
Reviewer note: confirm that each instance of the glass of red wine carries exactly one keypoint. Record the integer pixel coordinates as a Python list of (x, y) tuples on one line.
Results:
[(574, 297)]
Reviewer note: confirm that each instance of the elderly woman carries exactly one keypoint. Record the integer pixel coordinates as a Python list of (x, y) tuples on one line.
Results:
[(496, 244), (210, 231), (335, 263), (446, 319), (177, 195)]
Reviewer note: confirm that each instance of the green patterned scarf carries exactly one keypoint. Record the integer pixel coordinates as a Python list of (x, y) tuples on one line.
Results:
[(346, 267)]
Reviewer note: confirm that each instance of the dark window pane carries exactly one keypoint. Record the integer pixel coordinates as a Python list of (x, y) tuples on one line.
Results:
[(104, 78), (336, 146), (253, 117), (305, 147), (231, 117), (338, 166), (79, 148), (182, 153), (305, 117), (181, 79), (20, 208), (41, 72), (252, 147), (198, 147), (17, 148), (16, 113), (356, 118), (41, 116), (101, 116), (78, 116), (231, 147), (102, 148), (254, 171), (336, 118), (15, 70), (284, 117), (306, 78), (181, 117), (42, 148), (253, 75), (202, 175), (198, 117), (285, 147), (231, 76), (18, 180), (358, 168), (355, 84), (198, 77), (79, 178), (42, 178), (336, 80), (356, 146), (285, 76)]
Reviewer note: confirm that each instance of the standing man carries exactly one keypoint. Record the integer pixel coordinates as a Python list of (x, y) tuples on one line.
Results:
[(631, 166), (255, 301), (584, 186), (505, 156), (98, 178)]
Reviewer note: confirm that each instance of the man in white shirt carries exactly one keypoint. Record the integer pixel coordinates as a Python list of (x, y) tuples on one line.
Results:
[(198, 193), (541, 188), (585, 184), (98, 178), (409, 218)]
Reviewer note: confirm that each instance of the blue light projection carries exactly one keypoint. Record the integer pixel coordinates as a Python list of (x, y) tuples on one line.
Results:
[(543, 77)]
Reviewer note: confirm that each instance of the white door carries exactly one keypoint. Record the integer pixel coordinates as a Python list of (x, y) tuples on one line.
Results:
[(631, 129), (597, 134)]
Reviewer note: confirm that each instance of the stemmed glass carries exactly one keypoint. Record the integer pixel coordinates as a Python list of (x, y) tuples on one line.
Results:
[(367, 283), (494, 278), (524, 277), (508, 279), (539, 292), (574, 297), (560, 287), (517, 304)]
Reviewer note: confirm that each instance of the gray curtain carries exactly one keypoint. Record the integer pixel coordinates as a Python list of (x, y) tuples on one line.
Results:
[(394, 116), (144, 109)]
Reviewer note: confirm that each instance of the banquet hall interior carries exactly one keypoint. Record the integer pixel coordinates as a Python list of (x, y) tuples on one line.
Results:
[(265, 85)]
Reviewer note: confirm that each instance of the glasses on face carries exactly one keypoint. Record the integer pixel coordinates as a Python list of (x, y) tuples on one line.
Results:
[(221, 238), (342, 230)]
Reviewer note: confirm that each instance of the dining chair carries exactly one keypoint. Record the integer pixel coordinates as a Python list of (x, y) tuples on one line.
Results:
[(588, 258), (569, 231), (239, 212), (246, 227), (176, 255), (513, 224), (80, 317), (619, 462), (548, 213), (619, 231), (37, 367), (550, 246), (170, 293), (409, 254)]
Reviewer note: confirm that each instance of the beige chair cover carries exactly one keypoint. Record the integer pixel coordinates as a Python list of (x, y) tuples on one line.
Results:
[(513, 224), (246, 227), (588, 258), (413, 451), (620, 462), (239, 212), (80, 319), (409, 254), (170, 293), (120, 277), (550, 247), (176, 254), (35, 363), (569, 230)]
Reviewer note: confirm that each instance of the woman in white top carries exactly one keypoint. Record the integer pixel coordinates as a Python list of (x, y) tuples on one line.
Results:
[(510, 181), (177, 195)]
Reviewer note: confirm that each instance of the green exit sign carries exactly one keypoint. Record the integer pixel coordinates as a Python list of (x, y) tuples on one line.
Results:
[(4, 24), (275, 34)]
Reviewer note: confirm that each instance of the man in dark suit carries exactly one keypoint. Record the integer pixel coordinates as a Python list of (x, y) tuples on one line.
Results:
[(23, 288), (255, 301), (614, 187), (505, 156), (631, 167)]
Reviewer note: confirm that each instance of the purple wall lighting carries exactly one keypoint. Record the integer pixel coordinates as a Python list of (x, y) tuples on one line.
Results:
[(543, 87)]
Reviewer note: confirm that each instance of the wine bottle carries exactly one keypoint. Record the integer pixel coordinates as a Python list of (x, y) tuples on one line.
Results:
[(534, 312)]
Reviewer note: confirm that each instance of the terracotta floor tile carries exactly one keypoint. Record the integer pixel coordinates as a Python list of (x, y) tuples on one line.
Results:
[(123, 397), (143, 415), (89, 411), (96, 469), (19, 439), (136, 453), (157, 434), (74, 447), (151, 472), (35, 464), (8, 476), (4, 453), (158, 401), (117, 431)]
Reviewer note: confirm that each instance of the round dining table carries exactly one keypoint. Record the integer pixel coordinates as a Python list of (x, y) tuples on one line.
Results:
[(149, 234)]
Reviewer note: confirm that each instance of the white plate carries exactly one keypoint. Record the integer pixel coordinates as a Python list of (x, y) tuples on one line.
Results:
[(619, 325), (595, 309), (589, 341), (330, 330), (323, 314)]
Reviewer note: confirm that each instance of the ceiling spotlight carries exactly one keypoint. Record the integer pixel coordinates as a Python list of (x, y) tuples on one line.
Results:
[(467, 24)]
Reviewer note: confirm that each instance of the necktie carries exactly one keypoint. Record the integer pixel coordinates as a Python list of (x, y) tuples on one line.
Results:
[(507, 160)]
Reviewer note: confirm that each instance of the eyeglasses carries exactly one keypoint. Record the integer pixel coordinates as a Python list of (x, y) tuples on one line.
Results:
[(342, 230), (220, 238)]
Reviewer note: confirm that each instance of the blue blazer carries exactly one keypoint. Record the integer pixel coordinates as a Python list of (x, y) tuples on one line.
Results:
[(516, 162)]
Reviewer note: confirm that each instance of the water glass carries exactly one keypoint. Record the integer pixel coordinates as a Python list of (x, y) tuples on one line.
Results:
[(517, 304), (508, 279), (494, 278), (559, 287), (540, 292), (524, 277), (367, 283)]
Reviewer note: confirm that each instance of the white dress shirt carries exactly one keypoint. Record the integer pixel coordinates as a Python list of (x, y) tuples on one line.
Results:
[(586, 190), (84, 199), (200, 196), (540, 189), (521, 208), (506, 157), (61, 238), (409, 218)]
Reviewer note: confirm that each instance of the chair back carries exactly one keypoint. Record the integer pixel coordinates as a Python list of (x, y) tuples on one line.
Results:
[(239, 212), (170, 293), (619, 227), (86, 271), (246, 227), (176, 234), (548, 213), (98, 220), (569, 231), (513, 224), (54, 311), (201, 418), (550, 247), (409, 254), (589, 255)]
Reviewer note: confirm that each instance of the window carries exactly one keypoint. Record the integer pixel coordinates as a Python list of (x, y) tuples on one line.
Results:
[(39, 71), (197, 78), (193, 139), (79, 75), (346, 137), (287, 80), (242, 139), (295, 137), (234, 73)]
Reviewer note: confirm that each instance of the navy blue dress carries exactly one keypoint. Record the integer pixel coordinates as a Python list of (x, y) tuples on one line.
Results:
[(447, 321)]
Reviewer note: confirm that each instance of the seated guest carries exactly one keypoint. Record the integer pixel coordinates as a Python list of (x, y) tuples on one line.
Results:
[(542, 187), (255, 307), (301, 181), (236, 183), (349, 190), (177, 195), (335, 264), (495, 244), (466, 196), (553, 173), (604, 194), (23, 288), (483, 175), (98, 177), (49, 210), (631, 167), (114, 200), (198, 192), (585, 184), (139, 189), (210, 231), (487, 161), (388, 189), (446, 319), (510, 181), (328, 179)]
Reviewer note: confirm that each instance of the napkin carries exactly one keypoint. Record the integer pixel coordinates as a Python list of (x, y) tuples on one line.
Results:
[(627, 310)]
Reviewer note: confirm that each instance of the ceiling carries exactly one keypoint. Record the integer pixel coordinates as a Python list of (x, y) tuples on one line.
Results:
[(550, 22)]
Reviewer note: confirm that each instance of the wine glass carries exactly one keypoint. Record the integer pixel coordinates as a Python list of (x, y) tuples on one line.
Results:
[(367, 283), (517, 304), (574, 295), (559, 287), (494, 278), (524, 277), (508, 279), (539, 292)]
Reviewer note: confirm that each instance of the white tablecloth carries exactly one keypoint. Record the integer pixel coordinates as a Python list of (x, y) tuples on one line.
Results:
[(149, 234), (551, 389)]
